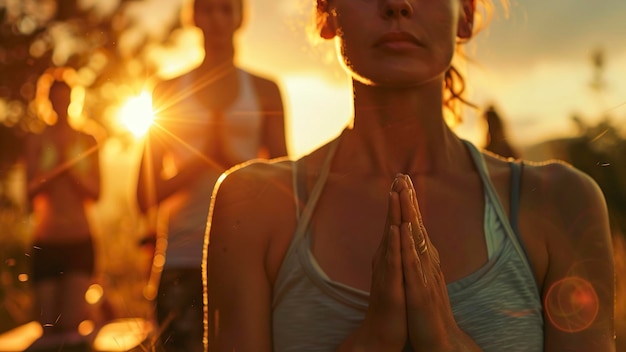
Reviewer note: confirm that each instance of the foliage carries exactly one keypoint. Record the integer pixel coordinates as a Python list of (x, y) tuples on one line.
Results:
[(600, 151), (38, 34)]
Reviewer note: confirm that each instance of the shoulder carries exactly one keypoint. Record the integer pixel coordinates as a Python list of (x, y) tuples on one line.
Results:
[(553, 184), (564, 218), (261, 81), (567, 192), (265, 87), (165, 89), (253, 178), (566, 210), (87, 136), (252, 193), (252, 204)]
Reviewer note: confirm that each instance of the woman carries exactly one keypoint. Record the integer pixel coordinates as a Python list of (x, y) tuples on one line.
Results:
[(63, 175), (464, 252), (211, 118)]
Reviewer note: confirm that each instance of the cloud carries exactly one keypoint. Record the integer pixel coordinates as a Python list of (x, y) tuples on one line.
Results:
[(540, 30)]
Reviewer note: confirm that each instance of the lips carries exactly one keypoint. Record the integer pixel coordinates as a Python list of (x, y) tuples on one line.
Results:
[(397, 39)]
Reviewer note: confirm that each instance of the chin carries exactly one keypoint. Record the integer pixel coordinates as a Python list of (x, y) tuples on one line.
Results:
[(395, 74), (393, 79)]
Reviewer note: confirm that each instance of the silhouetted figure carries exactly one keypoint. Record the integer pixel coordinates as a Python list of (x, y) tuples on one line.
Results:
[(497, 141), (209, 119), (63, 177)]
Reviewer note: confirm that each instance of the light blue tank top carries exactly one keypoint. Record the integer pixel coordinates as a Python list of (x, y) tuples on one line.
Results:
[(498, 305)]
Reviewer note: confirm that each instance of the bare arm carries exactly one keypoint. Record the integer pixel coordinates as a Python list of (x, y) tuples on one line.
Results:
[(239, 291), (578, 290)]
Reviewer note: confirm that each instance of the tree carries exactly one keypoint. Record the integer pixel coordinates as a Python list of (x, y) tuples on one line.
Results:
[(38, 34)]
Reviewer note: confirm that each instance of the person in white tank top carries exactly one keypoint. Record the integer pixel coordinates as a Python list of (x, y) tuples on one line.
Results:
[(394, 212), (208, 120)]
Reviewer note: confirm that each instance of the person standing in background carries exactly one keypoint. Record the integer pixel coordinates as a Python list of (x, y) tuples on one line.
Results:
[(63, 180), (208, 120), (497, 140)]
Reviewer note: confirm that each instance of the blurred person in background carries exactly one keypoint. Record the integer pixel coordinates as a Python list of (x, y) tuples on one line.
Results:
[(497, 140), (398, 235), (63, 180), (208, 120)]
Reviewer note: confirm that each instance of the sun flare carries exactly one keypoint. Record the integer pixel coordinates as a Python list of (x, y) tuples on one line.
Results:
[(136, 114)]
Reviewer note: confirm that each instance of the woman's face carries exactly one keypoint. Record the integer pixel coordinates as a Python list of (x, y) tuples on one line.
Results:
[(396, 42), (218, 20)]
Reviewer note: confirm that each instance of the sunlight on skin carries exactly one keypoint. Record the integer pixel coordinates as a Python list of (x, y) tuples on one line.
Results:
[(21, 337), (122, 335), (572, 304)]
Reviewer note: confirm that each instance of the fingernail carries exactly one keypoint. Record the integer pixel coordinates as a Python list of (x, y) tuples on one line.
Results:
[(395, 182), (408, 180)]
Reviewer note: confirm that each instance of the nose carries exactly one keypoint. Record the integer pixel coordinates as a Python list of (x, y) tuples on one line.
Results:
[(396, 9)]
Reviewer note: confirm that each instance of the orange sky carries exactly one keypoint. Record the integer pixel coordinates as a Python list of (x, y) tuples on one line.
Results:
[(534, 64)]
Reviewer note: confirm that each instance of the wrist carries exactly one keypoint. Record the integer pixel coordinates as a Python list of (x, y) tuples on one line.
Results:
[(374, 339)]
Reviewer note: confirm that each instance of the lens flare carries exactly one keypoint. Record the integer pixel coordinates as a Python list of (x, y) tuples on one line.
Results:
[(137, 115), (94, 294), (572, 304)]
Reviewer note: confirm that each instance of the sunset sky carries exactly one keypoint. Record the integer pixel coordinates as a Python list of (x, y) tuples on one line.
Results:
[(534, 64)]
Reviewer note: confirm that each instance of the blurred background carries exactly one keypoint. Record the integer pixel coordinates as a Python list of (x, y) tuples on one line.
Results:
[(554, 72)]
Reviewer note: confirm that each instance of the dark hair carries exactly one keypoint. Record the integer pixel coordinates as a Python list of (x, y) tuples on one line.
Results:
[(52, 77)]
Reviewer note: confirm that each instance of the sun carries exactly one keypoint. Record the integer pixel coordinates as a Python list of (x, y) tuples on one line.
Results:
[(136, 114)]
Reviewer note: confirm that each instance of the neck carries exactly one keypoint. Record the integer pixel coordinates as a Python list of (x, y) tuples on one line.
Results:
[(212, 74), (219, 56), (402, 131)]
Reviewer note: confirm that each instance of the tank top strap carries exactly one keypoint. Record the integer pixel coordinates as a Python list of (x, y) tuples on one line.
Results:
[(309, 200), (516, 180), (490, 192), (517, 167)]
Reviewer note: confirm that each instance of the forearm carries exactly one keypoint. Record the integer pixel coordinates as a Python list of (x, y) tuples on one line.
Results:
[(38, 182)]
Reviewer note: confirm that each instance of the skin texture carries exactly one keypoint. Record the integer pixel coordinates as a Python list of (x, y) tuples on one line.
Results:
[(401, 179)]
